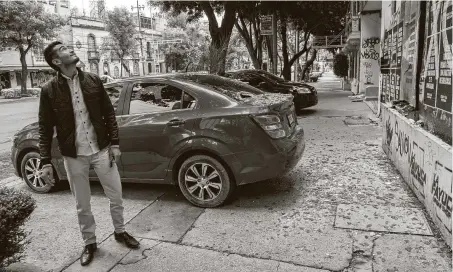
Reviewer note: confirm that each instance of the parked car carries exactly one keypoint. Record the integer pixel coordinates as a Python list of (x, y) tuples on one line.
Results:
[(304, 95), (205, 133), (314, 76)]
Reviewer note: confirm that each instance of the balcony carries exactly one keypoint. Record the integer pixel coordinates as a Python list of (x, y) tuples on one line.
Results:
[(352, 32), (93, 55), (324, 42)]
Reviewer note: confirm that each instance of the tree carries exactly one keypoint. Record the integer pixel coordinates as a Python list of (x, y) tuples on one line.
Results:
[(248, 24), (303, 18), (312, 18), (191, 51), (340, 65), (25, 25), (220, 34), (122, 35)]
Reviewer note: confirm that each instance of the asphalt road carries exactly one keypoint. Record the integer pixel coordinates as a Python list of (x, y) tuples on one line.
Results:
[(290, 223)]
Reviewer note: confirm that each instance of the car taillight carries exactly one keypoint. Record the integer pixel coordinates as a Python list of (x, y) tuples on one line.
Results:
[(272, 124)]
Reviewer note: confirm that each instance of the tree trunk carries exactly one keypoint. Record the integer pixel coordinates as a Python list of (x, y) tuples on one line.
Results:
[(220, 36), (255, 52), (286, 72), (217, 54), (121, 66), (310, 62), (23, 61)]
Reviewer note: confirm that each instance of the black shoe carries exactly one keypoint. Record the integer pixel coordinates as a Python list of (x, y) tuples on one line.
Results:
[(126, 238), (87, 254)]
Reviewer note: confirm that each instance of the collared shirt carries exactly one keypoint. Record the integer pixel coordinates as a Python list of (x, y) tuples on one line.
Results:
[(85, 136)]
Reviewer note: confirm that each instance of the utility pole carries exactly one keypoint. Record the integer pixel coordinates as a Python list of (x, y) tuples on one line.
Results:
[(274, 43), (138, 7)]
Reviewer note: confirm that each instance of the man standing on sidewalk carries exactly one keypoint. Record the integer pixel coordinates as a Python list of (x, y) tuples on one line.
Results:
[(76, 104)]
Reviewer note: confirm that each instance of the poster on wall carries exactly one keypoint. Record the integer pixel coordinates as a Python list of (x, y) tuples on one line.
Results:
[(399, 49), (430, 72), (444, 91), (438, 56)]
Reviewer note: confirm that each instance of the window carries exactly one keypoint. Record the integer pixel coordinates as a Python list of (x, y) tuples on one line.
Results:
[(157, 68), (91, 43), (94, 68), (136, 68), (114, 92), (148, 50), (116, 72), (153, 97), (149, 68)]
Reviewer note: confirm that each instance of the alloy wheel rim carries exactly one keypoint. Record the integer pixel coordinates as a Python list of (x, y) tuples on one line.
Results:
[(203, 181), (33, 172)]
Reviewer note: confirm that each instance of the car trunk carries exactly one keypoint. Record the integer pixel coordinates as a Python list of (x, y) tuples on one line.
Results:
[(277, 104)]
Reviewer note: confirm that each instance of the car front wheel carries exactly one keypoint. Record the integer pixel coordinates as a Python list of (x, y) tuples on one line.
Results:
[(204, 181), (31, 168)]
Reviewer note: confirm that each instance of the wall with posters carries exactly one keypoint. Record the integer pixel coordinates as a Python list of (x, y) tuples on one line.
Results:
[(435, 76), (369, 50), (392, 49), (400, 49), (425, 162)]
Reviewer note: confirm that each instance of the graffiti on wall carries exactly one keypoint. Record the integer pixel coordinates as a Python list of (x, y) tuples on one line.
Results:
[(425, 165), (370, 48), (368, 71)]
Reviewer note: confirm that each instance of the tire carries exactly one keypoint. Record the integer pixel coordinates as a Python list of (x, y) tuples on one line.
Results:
[(31, 163), (206, 193)]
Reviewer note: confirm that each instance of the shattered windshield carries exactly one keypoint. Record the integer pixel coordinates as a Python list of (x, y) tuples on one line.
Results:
[(232, 88)]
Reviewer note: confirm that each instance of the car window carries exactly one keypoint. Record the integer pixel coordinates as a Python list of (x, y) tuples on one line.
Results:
[(157, 97), (114, 92)]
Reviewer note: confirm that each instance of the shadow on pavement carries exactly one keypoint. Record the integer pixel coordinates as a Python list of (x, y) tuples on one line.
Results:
[(307, 112)]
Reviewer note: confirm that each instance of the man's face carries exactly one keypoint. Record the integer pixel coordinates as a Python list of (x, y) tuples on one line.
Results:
[(64, 55)]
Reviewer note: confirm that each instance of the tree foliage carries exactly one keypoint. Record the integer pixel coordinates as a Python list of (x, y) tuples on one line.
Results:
[(15, 208), (192, 52), (340, 65), (25, 25), (220, 33), (121, 41)]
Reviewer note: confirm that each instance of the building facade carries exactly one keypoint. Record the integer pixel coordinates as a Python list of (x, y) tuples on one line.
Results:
[(405, 48), (86, 34)]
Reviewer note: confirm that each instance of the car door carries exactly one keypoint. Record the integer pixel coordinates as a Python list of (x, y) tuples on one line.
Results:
[(117, 94), (154, 127)]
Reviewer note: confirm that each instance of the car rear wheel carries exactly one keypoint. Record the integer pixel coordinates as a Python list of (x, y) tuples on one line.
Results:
[(204, 181), (31, 168)]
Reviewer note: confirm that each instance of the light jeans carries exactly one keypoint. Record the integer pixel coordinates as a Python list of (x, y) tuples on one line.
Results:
[(78, 170)]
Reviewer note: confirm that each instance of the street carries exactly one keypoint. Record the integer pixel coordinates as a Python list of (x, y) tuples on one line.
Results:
[(343, 208)]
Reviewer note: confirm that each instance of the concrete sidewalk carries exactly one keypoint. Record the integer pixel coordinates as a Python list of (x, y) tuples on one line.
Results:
[(344, 208)]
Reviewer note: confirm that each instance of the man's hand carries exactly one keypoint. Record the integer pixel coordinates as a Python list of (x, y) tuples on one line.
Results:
[(47, 174), (115, 152)]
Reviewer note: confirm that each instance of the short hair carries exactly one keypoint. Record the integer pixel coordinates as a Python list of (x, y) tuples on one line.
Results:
[(49, 54)]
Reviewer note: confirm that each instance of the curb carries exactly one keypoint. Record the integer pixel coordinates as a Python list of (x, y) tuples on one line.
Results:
[(9, 101)]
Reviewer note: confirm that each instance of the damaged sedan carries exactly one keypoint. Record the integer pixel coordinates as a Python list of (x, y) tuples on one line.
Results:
[(204, 133)]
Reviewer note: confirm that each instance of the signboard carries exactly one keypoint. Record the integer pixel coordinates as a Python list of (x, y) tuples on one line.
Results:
[(266, 25)]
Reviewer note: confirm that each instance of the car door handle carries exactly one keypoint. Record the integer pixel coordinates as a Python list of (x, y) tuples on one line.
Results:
[(176, 122)]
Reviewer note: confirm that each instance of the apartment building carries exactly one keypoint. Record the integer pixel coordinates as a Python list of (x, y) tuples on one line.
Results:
[(86, 33)]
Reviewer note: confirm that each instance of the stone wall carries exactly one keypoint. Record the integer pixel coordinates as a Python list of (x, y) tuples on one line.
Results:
[(425, 162)]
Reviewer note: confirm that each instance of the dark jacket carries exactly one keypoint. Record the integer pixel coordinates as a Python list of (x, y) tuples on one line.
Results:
[(56, 110)]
